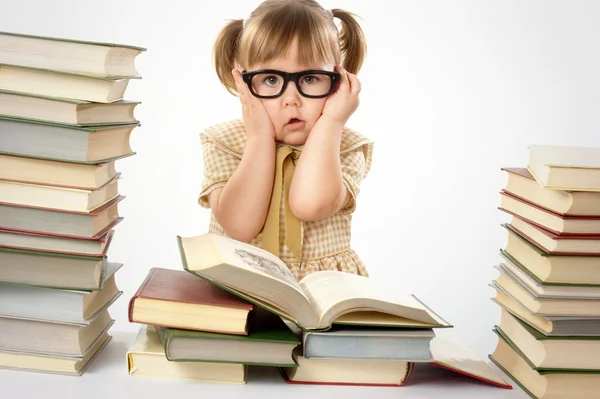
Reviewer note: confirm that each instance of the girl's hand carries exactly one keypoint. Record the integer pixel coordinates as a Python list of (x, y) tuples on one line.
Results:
[(255, 115), (344, 101)]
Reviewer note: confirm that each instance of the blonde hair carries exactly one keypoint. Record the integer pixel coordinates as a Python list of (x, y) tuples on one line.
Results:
[(271, 28)]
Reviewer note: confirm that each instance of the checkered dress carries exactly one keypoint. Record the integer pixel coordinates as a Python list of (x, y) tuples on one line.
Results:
[(326, 242)]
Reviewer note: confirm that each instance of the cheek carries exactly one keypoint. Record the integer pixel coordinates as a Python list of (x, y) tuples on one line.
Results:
[(273, 109), (321, 103), (316, 106)]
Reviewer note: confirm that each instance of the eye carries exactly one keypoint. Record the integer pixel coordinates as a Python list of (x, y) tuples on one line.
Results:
[(310, 79), (271, 80)]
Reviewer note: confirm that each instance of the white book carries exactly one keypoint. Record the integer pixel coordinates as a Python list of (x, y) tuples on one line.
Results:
[(47, 338), (67, 306)]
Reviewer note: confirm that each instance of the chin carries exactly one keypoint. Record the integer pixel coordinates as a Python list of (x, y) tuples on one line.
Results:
[(296, 137)]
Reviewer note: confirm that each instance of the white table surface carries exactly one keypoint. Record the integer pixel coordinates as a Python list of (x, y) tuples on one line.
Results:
[(107, 378)]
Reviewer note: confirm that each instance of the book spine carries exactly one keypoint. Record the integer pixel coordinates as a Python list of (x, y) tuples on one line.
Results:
[(138, 293)]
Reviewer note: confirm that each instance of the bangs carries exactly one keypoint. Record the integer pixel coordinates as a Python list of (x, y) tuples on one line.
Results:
[(270, 36)]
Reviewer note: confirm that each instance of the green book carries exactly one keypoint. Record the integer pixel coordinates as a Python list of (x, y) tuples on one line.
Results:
[(541, 337), (540, 290), (540, 251), (66, 40), (549, 268), (62, 142), (68, 111), (63, 84), (535, 278), (543, 383), (94, 58), (520, 350), (59, 305), (269, 343), (52, 270)]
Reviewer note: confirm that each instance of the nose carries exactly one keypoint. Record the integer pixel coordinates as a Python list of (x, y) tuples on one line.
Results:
[(291, 96)]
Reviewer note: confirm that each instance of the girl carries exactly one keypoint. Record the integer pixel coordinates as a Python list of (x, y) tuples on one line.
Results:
[(286, 177)]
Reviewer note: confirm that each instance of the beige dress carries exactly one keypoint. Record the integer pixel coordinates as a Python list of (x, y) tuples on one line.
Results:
[(325, 244)]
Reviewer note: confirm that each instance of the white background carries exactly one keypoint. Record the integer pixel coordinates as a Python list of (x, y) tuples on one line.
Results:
[(452, 92)]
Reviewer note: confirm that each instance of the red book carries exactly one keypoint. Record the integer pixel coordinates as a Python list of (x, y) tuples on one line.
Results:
[(522, 184), (462, 360), (178, 299), (554, 222), (56, 243), (556, 244), (61, 223)]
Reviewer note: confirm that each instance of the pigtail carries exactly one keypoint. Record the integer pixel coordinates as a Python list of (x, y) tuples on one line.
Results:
[(353, 45), (225, 51)]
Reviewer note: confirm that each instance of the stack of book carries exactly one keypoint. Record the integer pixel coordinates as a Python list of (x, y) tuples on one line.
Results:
[(63, 124), (192, 329), (237, 304), (548, 288), (381, 356)]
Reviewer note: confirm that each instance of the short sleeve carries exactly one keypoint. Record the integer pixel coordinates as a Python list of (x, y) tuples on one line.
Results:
[(219, 166), (356, 164)]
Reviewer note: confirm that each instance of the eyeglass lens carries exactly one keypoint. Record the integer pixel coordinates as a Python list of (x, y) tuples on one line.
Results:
[(269, 84)]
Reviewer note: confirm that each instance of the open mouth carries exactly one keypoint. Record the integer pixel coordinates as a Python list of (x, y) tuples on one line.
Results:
[(293, 120)]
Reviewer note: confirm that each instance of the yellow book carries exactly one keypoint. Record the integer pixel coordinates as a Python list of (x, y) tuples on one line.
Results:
[(565, 168), (146, 357), (69, 365)]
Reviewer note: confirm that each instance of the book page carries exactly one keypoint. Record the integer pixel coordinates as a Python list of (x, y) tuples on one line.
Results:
[(147, 341), (249, 271), (459, 358), (327, 289), (210, 250), (379, 319), (258, 260)]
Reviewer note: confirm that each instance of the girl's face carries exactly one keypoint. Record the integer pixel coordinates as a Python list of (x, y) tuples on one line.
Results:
[(292, 114)]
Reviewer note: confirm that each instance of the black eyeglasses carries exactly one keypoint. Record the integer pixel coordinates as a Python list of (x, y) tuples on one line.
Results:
[(271, 83)]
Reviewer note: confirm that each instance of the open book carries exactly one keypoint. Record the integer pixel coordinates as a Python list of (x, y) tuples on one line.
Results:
[(454, 356), (314, 303)]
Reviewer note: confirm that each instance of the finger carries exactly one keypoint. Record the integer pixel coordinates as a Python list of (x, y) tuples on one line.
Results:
[(355, 85), (244, 91), (344, 83), (239, 82)]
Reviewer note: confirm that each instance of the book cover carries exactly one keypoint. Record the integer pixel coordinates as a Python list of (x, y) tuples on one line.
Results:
[(181, 287), (61, 39), (453, 356)]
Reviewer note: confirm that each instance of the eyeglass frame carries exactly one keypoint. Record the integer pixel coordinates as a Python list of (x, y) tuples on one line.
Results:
[(290, 77)]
